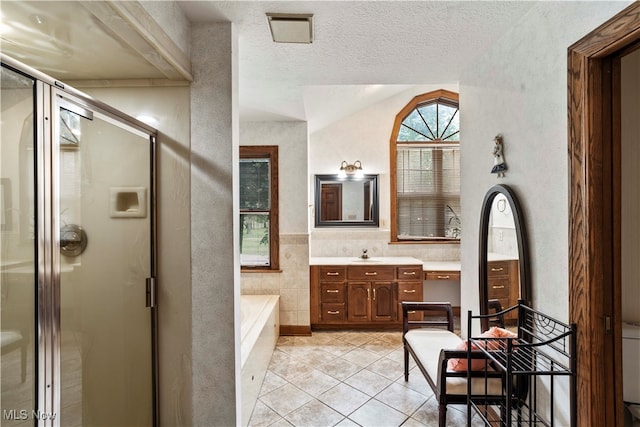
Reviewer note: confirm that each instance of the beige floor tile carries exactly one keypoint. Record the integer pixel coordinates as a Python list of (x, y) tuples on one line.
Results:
[(368, 382), (315, 382), (387, 368), (338, 347), (344, 398), (379, 347), (290, 368), (314, 413), (339, 369), (263, 415), (401, 398), (285, 399), (417, 382), (357, 337), (271, 382), (347, 423), (360, 357), (376, 413)]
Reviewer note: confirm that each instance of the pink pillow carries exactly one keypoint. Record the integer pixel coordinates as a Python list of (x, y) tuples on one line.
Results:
[(479, 364)]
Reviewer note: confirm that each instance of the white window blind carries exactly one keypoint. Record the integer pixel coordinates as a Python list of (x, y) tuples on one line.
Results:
[(428, 191)]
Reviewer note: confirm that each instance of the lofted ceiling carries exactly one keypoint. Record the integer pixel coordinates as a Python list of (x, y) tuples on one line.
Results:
[(362, 52)]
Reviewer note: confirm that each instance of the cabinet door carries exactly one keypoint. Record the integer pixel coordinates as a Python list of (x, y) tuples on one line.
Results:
[(383, 304), (358, 297)]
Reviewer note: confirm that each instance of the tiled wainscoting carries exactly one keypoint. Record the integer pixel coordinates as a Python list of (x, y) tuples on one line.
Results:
[(292, 284)]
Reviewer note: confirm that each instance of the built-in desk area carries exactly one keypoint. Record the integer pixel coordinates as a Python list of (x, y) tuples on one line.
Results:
[(442, 282)]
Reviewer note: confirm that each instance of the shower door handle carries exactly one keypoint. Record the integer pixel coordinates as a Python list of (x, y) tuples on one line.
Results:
[(73, 240), (151, 292)]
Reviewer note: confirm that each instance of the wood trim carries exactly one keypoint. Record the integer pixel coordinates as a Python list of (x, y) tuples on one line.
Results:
[(295, 330), (268, 152), (393, 175), (592, 284)]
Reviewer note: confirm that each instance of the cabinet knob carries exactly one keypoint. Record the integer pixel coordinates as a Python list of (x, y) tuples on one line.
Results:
[(498, 287), (444, 277), (333, 291), (498, 269), (332, 273), (407, 291), (407, 273), (333, 311), (371, 273)]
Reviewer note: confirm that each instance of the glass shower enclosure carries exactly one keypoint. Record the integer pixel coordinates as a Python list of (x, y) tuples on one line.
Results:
[(77, 279)]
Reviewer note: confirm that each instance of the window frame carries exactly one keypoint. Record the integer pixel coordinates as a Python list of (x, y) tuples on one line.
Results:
[(445, 97), (266, 152)]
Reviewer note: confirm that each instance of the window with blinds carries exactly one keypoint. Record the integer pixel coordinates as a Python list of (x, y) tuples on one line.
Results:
[(426, 188)]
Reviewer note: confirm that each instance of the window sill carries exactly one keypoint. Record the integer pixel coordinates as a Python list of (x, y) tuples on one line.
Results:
[(425, 242), (259, 270)]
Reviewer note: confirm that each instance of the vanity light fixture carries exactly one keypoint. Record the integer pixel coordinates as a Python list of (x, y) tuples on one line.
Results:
[(291, 27), (354, 170)]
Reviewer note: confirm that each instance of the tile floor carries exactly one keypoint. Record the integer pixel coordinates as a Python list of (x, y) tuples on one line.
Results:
[(346, 378)]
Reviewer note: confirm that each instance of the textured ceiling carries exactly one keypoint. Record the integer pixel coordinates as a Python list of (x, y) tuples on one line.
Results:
[(358, 46), (363, 51)]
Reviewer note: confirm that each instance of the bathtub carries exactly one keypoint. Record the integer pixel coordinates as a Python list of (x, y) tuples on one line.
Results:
[(259, 331)]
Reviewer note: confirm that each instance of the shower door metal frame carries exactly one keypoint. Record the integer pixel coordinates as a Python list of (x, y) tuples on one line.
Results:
[(48, 90)]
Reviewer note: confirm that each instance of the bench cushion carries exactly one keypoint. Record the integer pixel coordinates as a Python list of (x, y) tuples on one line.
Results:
[(427, 344)]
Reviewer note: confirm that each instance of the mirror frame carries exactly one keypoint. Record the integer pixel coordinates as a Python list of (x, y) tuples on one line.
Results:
[(375, 214), (521, 237)]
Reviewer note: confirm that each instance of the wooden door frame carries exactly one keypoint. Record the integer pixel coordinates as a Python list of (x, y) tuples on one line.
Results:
[(594, 235)]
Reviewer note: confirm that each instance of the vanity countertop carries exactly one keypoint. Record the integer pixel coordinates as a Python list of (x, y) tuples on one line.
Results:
[(441, 265), (385, 260), (494, 256)]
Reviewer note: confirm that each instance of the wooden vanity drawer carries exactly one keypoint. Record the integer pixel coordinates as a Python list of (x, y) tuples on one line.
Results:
[(333, 312), (499, 288), (410, 273), (332, 273), (371, 273), (332, 292), (442, 275), (497, 268), (409, 291)]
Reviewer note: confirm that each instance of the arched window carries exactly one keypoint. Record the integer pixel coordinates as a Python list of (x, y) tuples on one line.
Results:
[(425, 169)]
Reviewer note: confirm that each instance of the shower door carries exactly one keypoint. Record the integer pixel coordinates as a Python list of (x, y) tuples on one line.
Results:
[(17, 247), (101, 197), (77, 259)]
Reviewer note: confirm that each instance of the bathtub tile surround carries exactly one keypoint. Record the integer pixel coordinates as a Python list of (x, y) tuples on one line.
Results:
[(299, 390), (292, 284)]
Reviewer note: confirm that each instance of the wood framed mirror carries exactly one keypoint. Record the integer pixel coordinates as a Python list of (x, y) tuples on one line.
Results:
[(503, 254), (346, 202)]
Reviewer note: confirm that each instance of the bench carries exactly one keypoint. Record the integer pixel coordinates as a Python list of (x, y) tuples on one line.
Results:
[(432, 343)]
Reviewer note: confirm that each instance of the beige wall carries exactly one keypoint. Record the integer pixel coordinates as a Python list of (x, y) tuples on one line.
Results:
[(519, 88), (292, 284)]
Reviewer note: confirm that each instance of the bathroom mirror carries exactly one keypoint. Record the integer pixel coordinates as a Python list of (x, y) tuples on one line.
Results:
[(503, 253), (346, 202)]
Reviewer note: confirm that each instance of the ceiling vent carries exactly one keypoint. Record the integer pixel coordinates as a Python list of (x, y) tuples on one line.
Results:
[(291, 27)]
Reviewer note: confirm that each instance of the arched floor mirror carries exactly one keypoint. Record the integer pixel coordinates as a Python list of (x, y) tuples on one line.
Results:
[(503, 255)]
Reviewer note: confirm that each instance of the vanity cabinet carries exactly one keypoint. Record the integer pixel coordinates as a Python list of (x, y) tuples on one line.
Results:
[(367, 296), (503, 281)]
